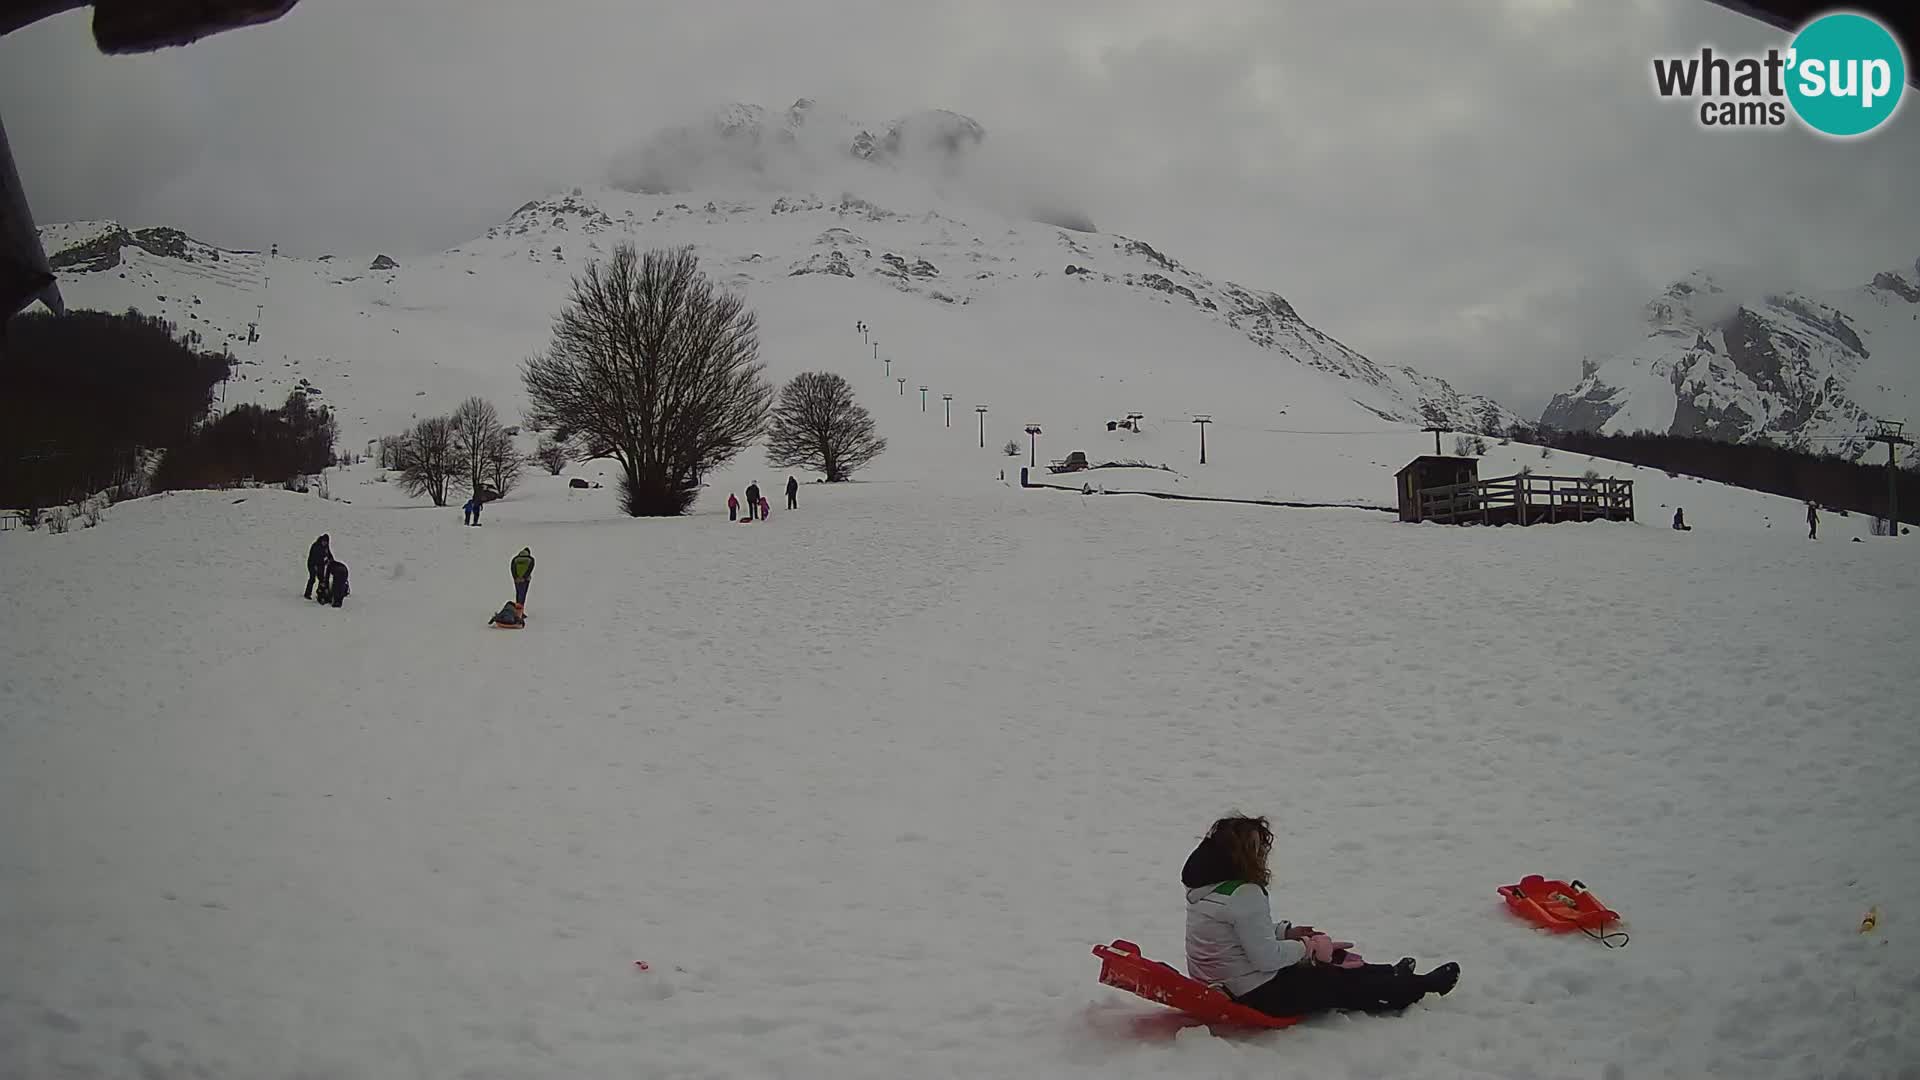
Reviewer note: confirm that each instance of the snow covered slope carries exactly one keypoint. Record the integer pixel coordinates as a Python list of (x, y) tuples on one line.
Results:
[(884, 234), (1805, 371), (864, 784)]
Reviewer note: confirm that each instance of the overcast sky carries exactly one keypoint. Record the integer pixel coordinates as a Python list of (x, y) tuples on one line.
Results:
[(1484, 190)]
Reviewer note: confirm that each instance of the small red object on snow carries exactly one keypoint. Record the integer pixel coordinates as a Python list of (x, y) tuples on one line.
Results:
[(1122, 966), (641, 964), (1558, 906)]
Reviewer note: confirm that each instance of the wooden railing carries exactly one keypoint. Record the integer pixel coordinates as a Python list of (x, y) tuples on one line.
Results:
[(1527, 499)]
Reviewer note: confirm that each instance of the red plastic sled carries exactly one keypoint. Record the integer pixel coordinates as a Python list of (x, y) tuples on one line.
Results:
[(1122, 966), (1559, 906)]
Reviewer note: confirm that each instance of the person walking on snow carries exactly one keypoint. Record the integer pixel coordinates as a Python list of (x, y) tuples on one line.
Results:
[(753, 500), (766, 511), (733, 507), (793, 493), (317, 557), (472, 511), (1813, 520), (522, 569), (1278, 968)]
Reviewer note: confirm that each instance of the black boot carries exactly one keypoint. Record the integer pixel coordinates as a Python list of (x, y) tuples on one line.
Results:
[(1442, 979)]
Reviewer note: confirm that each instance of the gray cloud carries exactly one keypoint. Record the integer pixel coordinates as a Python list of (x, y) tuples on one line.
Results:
[(1486, 190)]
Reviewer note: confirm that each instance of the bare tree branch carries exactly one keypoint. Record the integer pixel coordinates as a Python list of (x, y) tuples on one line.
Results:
[(817, 425), (653, 367)]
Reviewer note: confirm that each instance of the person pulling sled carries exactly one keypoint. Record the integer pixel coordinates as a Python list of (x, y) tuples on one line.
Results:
[(522, 570), (1279, 969)]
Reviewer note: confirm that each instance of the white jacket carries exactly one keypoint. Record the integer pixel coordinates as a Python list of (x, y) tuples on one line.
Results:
[(1232, 940)]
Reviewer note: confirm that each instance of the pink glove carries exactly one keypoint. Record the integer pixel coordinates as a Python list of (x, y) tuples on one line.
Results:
[(1319, 948)]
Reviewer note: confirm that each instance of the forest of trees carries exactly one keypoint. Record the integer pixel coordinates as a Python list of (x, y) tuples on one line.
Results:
[(92, 398), (1827, 479), (86, 394), (251, 442)]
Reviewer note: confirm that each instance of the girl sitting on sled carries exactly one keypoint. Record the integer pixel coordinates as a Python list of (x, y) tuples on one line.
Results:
[(1279, 968)]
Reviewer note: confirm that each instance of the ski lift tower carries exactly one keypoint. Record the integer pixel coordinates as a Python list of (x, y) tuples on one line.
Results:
[(1203, 419), (1892, 433)]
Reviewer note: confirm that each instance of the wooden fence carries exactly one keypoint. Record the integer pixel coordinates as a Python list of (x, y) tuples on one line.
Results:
[(1528, 499)]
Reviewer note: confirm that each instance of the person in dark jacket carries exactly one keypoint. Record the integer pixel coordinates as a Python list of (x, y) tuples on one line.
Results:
[(793, 493), (317, 557), (753, 501), (1680, 520), (1278, 968), (1813, 521), (334, 589)]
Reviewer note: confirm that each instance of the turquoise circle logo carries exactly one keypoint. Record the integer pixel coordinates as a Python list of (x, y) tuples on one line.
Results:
[(1846, 74)]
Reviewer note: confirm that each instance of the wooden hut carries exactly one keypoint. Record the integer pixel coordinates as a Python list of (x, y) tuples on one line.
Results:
[(1431, 471), (1450, 491)]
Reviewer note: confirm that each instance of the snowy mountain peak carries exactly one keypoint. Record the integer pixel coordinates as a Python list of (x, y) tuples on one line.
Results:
[(1726, 359), (882, 260)]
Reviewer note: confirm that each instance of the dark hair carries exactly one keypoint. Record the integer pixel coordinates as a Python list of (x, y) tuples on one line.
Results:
[(1246, 841)]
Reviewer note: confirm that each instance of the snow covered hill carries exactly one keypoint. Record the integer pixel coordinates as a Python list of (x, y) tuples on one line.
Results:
[(863, 785), (1717, 361), (820, 223)]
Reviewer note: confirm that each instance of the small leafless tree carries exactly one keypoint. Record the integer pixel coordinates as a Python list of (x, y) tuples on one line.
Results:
[(652, 366), (427, 463), (1012, 449), (552, 456), (817, 425), (476, 436), (504, 462), (392, 451)]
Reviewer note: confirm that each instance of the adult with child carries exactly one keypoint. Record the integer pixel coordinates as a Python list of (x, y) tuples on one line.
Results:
[(1280, 969)]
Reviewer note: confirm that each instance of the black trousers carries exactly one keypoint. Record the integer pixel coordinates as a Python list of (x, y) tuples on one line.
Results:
[(793, 500), (1304, 988), (312, 577)]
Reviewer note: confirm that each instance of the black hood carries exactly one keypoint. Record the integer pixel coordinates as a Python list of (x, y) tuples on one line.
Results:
[(1208, 863)]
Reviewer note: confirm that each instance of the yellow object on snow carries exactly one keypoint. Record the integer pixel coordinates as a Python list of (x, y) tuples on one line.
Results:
[(1872, 920)]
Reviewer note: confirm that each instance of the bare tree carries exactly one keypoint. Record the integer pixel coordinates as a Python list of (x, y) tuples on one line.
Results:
[(817, 425), (427, 462), (652, 366), (552, 456), (476, 431), (504, 462), (393, 450)]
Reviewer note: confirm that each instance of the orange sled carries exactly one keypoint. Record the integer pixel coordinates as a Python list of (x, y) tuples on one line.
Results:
[(1122, 966), (1559, 906)]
